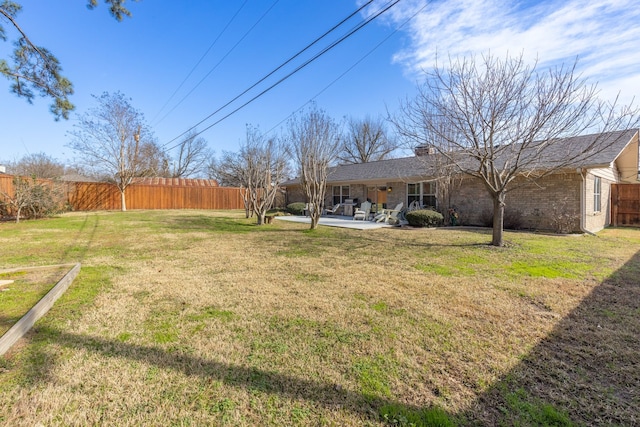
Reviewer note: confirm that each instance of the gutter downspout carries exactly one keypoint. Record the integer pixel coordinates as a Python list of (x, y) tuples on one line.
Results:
[(583, 189)]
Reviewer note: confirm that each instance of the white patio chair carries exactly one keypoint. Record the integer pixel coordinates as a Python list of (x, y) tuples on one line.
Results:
[(333, 210), (388, 214), (363, 211)]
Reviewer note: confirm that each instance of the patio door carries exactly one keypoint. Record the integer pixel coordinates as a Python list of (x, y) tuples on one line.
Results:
[(377, 195)]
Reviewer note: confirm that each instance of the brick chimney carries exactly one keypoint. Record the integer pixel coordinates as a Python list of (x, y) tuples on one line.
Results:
[(424, 150)]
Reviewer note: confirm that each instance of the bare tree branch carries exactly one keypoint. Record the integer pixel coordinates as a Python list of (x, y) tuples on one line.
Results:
[(506, 120), (112, 140), (314, 141), (367, 140)]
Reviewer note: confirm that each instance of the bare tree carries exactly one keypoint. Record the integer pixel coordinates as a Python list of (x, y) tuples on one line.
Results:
[(22, 196), (315, 144), (506, 120), (226, 170), (154, 161), (109, 140), (258, 168), (36, 198), (367, 140), (192, 157), (38, 165)]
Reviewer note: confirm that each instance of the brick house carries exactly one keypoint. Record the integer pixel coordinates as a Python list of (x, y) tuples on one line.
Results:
[(572, 198)]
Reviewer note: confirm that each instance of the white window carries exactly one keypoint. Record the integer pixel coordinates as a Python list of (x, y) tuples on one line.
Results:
[(422, 192), (597, 194), (340, 194)]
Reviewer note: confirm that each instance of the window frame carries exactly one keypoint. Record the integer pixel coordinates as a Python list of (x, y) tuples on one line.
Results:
[(341, 196), (597, 194), (422, 194)]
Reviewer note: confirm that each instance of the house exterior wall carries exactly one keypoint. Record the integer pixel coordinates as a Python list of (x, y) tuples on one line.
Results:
[(551, 203), (595, 221), (398, 194), (295, 194)]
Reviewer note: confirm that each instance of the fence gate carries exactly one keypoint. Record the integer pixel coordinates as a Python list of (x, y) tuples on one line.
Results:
[(625, 205)]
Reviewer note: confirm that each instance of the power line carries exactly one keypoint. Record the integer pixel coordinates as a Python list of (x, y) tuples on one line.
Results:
[(325, 50), (272, 72), (354, 65), (199, 61), (219, 62)]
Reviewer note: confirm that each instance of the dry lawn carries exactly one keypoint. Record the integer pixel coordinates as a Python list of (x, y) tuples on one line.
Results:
[(202, 318)]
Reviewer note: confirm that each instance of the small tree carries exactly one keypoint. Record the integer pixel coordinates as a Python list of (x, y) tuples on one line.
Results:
[(21, 197), (265, 164), (505, 120), (110, 141), (367, 140), (31, 198), (258, 168), (315, 143)]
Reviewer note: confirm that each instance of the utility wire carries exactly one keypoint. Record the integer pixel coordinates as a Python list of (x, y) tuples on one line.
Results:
[(199, 61), (219, 62), (272, 72), (355, 64), (325, 50)]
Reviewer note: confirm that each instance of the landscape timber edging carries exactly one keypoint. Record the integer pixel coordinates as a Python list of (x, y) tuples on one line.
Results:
[(23, 325)]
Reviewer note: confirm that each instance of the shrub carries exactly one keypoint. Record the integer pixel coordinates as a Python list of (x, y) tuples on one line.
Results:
[(296, 208), (424, 218), (512, 219)]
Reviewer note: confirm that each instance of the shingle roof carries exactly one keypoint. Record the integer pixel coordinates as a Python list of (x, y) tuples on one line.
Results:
[(606, 148)]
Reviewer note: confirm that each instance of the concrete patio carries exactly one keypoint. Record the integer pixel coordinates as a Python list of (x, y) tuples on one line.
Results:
[(337, 221)]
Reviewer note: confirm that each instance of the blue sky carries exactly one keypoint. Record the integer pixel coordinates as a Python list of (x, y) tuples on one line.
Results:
[(148, 56)]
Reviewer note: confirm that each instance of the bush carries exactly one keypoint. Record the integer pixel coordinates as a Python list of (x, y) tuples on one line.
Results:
[(296, 208), (424, 218), (512, 219)]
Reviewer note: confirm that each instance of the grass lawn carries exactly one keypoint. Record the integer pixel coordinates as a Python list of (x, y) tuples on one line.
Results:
[(202, 318)]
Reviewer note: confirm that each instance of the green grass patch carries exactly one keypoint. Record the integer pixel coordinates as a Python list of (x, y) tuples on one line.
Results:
[(212, 313), (526, 411), (549, 270), (17, 298), (374, 375), (401, 416)]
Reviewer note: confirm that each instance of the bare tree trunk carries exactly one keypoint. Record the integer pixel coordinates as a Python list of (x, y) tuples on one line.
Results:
[(315, 217), (123, 202), (498, 219)]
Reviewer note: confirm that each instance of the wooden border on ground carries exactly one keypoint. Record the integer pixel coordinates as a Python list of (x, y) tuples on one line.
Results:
[(27, 321)]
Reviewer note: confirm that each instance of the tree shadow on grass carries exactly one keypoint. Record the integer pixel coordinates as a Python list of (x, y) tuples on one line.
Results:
[(585, 372), (329, 396)]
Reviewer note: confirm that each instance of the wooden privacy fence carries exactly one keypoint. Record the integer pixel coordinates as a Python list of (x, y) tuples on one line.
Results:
[(87, 196), (625, 205)]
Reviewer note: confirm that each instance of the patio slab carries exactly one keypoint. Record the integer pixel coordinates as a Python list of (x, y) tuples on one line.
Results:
[(336, 221)]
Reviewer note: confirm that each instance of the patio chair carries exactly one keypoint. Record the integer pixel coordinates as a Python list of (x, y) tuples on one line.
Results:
[(308, 209), (415, 205), (389, 214), (333, 210), (363, 211)]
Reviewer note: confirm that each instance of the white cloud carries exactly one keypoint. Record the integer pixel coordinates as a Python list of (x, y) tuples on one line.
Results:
[(603, 34)]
